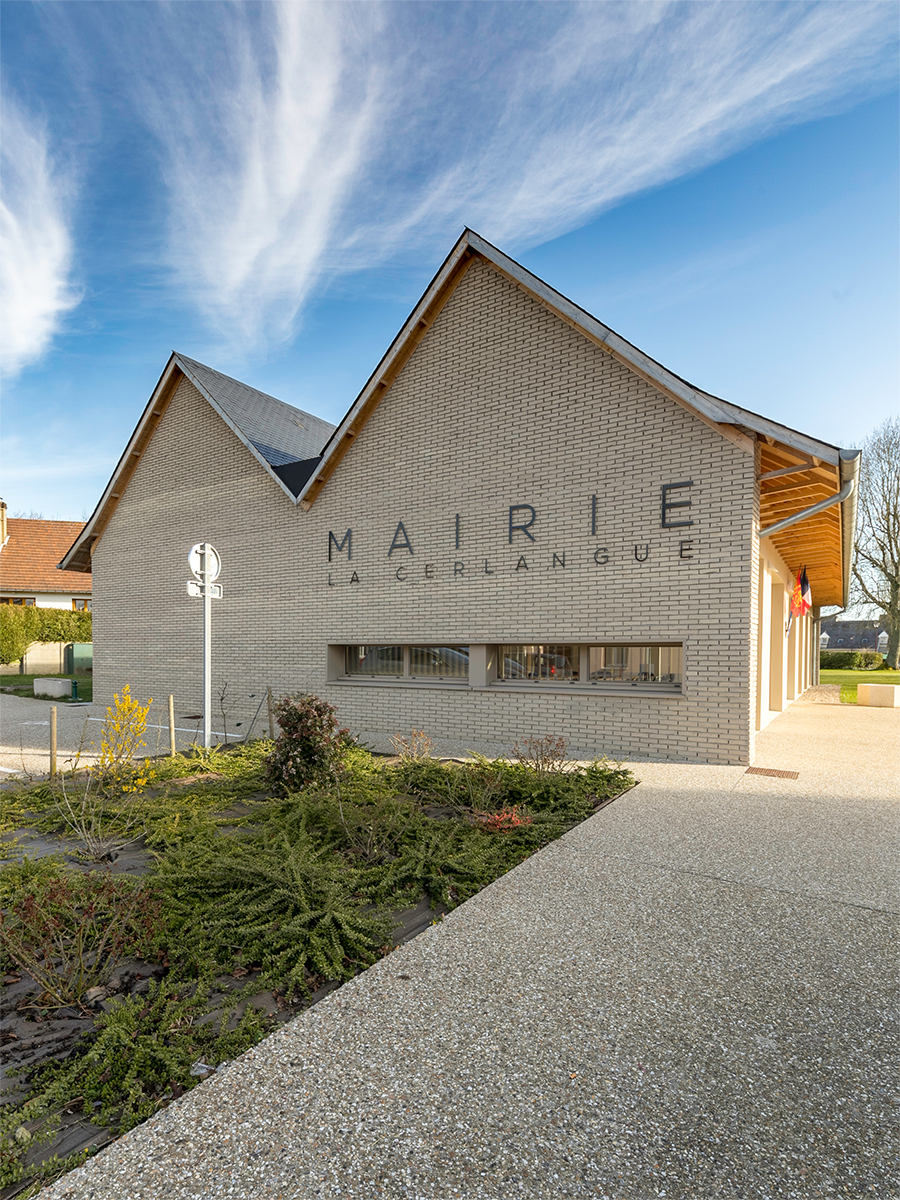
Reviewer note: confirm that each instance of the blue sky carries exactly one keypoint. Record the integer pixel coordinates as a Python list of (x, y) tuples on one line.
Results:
[(269, 188)]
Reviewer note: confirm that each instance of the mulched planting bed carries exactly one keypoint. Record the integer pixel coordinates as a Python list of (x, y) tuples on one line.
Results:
[(221, 908)]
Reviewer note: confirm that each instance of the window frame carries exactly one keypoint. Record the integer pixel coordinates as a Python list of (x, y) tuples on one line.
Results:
[(482, 675), (584, 683), (405, 678)]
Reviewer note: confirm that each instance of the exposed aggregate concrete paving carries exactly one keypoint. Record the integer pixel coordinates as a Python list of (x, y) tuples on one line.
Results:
[(687, 996)]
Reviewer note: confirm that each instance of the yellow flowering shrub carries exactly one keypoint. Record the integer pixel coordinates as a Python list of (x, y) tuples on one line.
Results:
[(122, 739)]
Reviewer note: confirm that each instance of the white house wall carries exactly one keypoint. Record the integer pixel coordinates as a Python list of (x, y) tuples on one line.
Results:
[(50, 599), (60, 599)]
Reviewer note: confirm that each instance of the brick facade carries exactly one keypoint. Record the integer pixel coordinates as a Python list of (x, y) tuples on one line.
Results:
[(501, 404)]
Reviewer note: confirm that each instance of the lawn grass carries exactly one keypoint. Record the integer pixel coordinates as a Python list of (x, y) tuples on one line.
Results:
[(850, 680), (23, 685)]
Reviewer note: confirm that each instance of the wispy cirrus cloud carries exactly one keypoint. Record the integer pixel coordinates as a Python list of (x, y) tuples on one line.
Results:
[(605, 100), (301, 141), (35, 240)]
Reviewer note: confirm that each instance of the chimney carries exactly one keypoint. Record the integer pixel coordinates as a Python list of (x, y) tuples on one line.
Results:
[(3, 534)]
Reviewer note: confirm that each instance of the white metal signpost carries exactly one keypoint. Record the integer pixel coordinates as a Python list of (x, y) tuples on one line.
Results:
[(205, 563)]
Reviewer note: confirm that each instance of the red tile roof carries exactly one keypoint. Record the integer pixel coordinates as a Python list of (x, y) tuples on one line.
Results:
[(28, 560)]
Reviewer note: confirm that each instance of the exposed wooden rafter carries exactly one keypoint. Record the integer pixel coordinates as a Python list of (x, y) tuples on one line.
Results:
[(790, 482)]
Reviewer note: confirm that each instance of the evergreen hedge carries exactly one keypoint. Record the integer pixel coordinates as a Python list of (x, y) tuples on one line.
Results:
[(21, 625), (850, 660)]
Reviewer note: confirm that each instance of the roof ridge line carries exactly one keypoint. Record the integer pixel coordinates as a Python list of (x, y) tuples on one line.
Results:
[(239, 433)]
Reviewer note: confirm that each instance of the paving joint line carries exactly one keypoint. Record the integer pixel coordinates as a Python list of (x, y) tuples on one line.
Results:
[(643, 862)]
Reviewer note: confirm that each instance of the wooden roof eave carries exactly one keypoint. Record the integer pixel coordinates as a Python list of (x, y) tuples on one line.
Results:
[(830, 528), (78, 557), (397, 355)]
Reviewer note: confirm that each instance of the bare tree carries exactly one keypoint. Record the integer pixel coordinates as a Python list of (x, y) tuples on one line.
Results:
[(876, 569)]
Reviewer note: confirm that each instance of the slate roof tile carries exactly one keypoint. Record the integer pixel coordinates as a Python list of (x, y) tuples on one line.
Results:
[(280, 432)]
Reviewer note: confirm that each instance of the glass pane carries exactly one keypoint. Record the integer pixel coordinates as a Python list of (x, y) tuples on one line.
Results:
[(439, 662), (670, 668), (635, 664), (374, 660), (540, 663)]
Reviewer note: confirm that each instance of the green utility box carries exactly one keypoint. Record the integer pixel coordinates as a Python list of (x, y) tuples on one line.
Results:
[(79, 658)]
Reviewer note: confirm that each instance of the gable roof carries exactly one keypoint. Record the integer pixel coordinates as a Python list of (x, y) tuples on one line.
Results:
[(732, 421), (801, 478), (830, 473), (278, 431), (836, 627), (279, 436), (29, 556)]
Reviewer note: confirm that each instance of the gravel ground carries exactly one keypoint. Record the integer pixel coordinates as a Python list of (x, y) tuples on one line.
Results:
[(823, 693), (686, 996), (25, 735)]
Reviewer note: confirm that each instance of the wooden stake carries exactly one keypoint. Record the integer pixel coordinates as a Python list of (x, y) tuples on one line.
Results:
[(52, 740), (271, 714), (172, 726)]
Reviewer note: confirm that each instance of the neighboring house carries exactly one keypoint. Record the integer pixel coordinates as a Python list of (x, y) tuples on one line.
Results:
[(513, 470), (29, 575), (29, 553), (853, 635)]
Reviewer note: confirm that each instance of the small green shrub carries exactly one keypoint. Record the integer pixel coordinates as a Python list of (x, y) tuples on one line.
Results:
[(310, 746), (850, 660)]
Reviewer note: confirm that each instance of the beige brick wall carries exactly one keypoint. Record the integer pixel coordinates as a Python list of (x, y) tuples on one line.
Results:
[(501, 404)]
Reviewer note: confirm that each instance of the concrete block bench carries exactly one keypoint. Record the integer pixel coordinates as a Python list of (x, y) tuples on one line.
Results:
[(59, 688), (878, 695)]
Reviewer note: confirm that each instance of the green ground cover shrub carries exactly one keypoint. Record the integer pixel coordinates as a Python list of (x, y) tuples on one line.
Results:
[(142, 1054), (271, 900), (288, 891)]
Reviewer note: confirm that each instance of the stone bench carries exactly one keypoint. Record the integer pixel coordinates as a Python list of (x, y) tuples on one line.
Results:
[(878, 695), (59, 688)]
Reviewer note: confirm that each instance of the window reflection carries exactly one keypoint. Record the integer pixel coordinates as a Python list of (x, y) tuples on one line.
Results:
[(540, 663), (444, 662), (635, 664), (374, 660), (425, 662)]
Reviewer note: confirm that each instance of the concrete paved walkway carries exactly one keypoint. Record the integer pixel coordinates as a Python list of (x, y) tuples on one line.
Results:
[(687, 996)]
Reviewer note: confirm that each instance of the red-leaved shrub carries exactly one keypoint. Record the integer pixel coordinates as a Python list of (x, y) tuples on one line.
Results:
[(310, 746)]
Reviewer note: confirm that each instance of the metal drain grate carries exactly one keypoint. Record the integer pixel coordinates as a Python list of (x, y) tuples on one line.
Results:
[(772, 773)]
